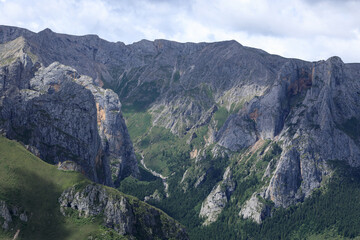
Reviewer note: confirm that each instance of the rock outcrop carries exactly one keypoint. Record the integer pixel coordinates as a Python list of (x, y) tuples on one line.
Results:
[(311, 112), (127, 216), (62, 116), (318, 129), (255, 209), (217, 199), (115, 139), (237, 133), (7, 215)]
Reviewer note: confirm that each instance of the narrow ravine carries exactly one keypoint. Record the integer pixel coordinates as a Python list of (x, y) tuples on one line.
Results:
[(156, 174)]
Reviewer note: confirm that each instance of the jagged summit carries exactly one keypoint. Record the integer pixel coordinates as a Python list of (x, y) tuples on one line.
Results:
[(335, 60), (46, 31)]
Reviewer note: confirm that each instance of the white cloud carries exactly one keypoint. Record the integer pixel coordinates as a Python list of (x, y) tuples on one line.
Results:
[(310, 30)]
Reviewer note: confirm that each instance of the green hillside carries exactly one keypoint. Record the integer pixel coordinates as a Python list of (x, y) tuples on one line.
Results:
[(34, 186)]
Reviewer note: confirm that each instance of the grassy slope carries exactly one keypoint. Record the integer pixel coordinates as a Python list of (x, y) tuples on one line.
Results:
[(28, 182), (163, 151)]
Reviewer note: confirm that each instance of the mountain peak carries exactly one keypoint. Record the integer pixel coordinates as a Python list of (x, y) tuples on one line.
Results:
[(335, 59), (46, 30)]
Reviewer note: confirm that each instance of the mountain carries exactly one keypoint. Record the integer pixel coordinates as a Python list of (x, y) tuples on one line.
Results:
[(237, 139)]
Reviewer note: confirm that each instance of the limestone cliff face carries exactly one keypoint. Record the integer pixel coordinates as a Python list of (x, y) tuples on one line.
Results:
[(112, 129), (237, 133), (217, 199), (311, 110), (128, 216), (255, 209), (62, 116), (322, 127)]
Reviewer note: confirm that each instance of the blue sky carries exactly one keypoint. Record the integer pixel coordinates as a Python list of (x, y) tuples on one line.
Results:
[(306, 29)]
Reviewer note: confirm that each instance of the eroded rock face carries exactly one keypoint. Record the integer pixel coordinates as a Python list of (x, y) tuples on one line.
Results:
[(61, 116), (93, 200), (185, 81), (8, 213), (237, 133), (156, 196), (213, 205), (126, 216), (311, 112), (5, 214), (318, 131), (254, 209), (217, 199), (57, 116), (69, 166), (113, 132)]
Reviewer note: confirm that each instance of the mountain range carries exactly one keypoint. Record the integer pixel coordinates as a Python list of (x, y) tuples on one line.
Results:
[(219, 136)]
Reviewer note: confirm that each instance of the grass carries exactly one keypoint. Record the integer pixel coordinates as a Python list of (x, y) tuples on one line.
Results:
[(140, 189), (137, 123), (143, 96), (163, 151), (35, 186), (220, 117)]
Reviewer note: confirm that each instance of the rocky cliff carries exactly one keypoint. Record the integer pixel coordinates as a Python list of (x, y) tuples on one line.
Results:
[(321, 126), (217, 199), (61, 116)]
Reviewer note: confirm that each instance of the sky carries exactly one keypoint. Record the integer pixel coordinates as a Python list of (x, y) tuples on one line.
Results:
[(307, 29)]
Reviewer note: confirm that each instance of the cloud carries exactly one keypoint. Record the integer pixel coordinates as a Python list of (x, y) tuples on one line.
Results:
[(310, 30)]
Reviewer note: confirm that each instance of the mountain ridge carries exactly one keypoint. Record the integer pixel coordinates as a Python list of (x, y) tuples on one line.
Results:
[(198, 111)]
